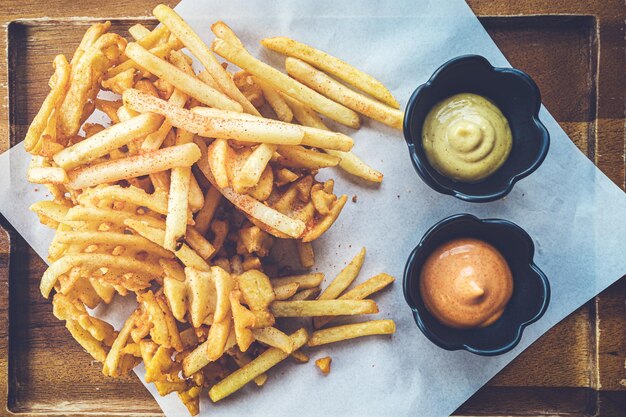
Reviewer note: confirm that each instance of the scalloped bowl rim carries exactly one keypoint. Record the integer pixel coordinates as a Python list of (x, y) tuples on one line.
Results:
[(465, 346)]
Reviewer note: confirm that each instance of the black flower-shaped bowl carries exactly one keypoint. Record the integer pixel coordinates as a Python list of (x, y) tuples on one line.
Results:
[(531, 290), (517, 96)]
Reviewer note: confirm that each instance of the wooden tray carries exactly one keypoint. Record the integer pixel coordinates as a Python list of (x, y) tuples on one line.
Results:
[(576, 55)]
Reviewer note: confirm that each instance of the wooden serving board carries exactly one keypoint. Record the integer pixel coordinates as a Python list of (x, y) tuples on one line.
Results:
[(575, 52)]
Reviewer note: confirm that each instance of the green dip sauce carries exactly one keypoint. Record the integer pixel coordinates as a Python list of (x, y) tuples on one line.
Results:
[(466, 137)]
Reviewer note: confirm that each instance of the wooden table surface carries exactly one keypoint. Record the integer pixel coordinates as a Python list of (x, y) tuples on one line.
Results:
[(575, 52)]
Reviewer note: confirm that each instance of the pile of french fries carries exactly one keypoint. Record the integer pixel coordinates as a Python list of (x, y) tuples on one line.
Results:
[(180, 199)]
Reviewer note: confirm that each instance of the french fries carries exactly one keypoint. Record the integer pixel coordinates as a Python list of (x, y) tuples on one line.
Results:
[(332, 65), (284, 83), (134, 166), (327, 86), (351, 331), (180, 199), (318, 308)]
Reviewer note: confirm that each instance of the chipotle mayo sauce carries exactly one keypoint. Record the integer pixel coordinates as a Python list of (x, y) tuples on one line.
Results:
[(466, 283)]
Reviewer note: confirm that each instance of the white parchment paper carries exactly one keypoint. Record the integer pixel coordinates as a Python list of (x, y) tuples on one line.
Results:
[(572, 211)]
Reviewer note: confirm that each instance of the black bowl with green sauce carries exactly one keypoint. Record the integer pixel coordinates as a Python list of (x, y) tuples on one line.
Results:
[(513, 92)]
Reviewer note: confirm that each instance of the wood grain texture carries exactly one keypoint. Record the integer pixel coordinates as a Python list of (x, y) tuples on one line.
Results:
[(573, 370)]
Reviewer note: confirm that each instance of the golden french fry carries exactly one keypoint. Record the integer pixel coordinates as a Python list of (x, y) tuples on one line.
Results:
[(161, 51), (263, 189), (351, 331), (305, 254), (136, 242), (275, 100), (319, 138), (284, 83), (277, 223), (178, 202), (196, 196), (179, 79), (139, 31), (155, 234), (50, 209), (84, 81), (87, 341), (223, 31), (333, 66), (218, 334), (304, 281), (300, 157), (256, 367), (223, 286), (336, 91), (58, 86), (47, 175), (308, 294), (205, 215), (201, 295), (67, 262), (299, 356), (112, 362), (284, 292), (176, 295), (316, 308), (344, 278), (258, 130), (200, 50), (197, 242), (255, 164), (273, 337), (218, 156), (107, 140), (243, 359), (92, 34), (361, 291), (156, 201), (243, 321), (318, 229), (349, 161), (134, 166), (324, 364)]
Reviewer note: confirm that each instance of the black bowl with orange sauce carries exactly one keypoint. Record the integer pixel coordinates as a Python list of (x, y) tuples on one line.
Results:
[(531, 289)]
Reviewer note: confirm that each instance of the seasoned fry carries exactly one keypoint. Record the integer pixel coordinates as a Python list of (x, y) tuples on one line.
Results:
[(344, 278), (361, 291), (317, 308), (308, 294), (305, 281), (317, 230), (58, 86), (134, 166), (256, 367), (250, 173), (200, 50), (107, 140), (286, 291), (47, 175), (139, 31), (273, 337), (179, 79), (85, 77), (243, 320), (261, 130), (284, 83), (275, 100), (349, 161), (327, 86), (300, 157), (333, 66), (319, 138), (205, 215), (351, 331)]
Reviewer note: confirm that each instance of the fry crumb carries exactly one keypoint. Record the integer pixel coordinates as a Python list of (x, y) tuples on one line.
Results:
[(354, 198), (324, 364)]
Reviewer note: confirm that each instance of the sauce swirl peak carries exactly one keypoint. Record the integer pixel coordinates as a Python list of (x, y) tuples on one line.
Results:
[(466, 283)]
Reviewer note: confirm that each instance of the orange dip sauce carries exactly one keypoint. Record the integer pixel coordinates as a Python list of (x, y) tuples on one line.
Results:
[(466, 283)]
